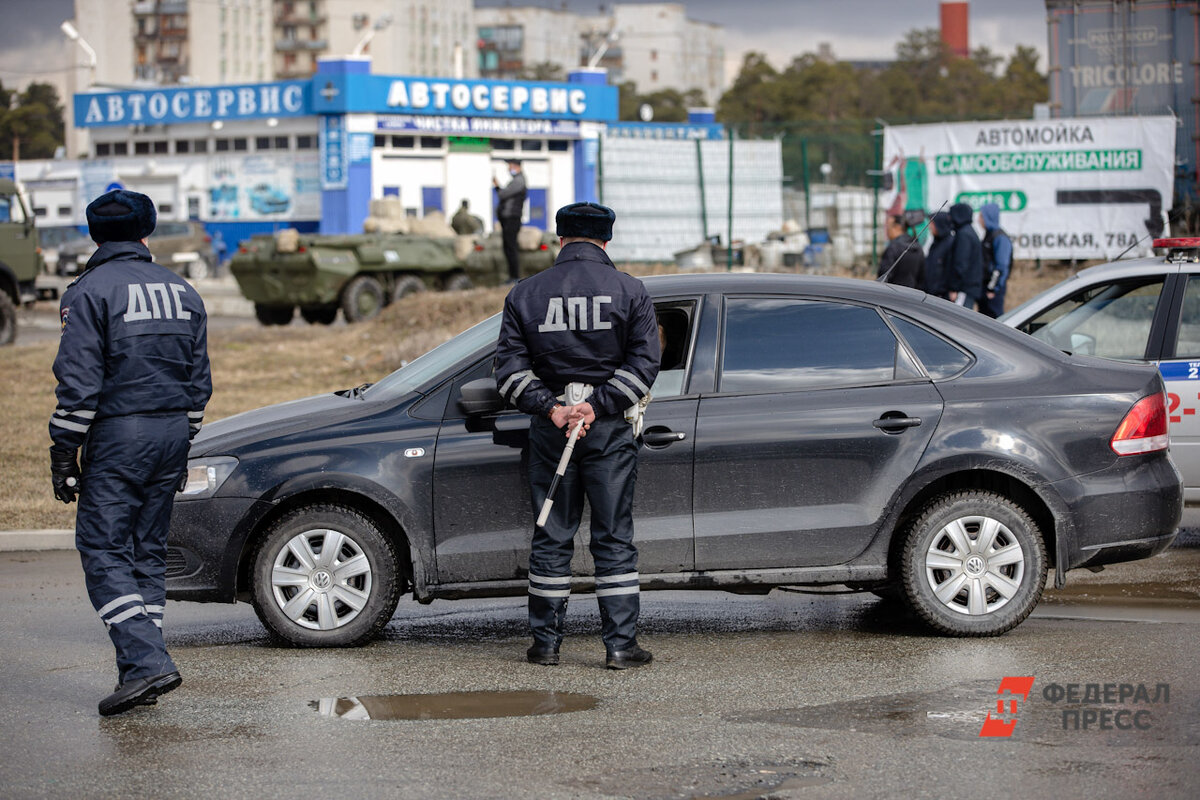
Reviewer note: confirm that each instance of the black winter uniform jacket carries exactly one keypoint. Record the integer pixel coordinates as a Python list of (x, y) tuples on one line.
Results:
[(581, 320), (134, 341), (964, 271)]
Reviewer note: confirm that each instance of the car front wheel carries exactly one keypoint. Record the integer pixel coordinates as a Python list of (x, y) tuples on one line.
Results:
[(974, 564), (325, 576)]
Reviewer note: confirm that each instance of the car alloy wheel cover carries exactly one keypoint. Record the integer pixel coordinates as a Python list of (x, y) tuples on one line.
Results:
[(321, 579), (975, 565)]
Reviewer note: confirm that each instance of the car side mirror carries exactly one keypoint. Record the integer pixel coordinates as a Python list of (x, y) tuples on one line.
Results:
[(480, 397)]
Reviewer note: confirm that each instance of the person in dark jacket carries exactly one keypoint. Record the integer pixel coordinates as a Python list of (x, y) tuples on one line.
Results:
[(938, 255), (903, 260), (997, 260), (581, 328), (510, 206), (133, 381), (964, 272)]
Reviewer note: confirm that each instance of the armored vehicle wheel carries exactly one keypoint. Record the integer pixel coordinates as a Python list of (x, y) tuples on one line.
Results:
[(362, 299), (274, 315), (325, 576), (974, 564), (197, 270), (319, 315), (8, 320), (406, 285), (457, 282)]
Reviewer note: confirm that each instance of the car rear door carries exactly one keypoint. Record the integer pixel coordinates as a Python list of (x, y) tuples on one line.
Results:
[(1179, 363), (483, 519), (819, 416)]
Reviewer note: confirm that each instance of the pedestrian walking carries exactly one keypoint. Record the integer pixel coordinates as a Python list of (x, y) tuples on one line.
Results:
[(510, 205), (903, 260), (133, 381), (937, 259), (578, 347), (997, 259), (964, 272)]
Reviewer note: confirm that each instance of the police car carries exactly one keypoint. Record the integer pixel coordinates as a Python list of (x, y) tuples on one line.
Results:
[(1144, 310)]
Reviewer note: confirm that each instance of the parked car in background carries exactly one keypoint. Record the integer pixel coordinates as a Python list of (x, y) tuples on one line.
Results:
[(1144, 310), (922, 449), (183, 247)]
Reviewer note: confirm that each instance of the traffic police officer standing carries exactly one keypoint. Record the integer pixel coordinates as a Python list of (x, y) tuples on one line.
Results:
[(581, 322), (133, 380)]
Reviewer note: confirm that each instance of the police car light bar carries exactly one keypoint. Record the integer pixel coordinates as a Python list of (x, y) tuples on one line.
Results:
[(1192, 243)]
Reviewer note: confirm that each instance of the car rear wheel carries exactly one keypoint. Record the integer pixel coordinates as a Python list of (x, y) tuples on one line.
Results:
[(274, 315), (457, 282), (8, 319), (406, 285), (325, 576), (362, 299), (197, 270), (974, 564), (319, 315)]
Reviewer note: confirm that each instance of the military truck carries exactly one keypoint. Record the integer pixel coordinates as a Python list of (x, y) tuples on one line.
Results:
[(361, 273), (20, 258)]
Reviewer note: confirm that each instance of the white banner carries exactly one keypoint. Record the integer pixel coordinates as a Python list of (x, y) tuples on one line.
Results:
[(1084, 188)]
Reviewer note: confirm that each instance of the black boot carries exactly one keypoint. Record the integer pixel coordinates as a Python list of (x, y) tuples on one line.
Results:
[(547, 616), (628, 659), (139, 692), (546, 656)]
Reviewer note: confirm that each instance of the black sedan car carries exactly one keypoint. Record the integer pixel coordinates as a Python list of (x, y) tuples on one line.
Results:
[(804, 431)]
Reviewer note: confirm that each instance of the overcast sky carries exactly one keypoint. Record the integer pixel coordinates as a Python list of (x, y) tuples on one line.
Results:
[(32, 47)]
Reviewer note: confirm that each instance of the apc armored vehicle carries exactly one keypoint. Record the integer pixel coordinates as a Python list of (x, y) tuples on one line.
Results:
[(20, 258), (362, 273)]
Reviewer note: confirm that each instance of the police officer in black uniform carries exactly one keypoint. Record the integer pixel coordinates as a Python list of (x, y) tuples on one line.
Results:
[(133, 380), (581, 322)]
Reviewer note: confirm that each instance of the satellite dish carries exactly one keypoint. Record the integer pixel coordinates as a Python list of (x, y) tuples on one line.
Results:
[(646, 112)]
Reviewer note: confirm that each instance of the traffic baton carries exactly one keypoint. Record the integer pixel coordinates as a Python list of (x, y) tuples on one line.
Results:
[(558, 473)]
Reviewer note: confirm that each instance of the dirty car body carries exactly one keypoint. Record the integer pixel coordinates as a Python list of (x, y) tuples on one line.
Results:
[(921, 450)]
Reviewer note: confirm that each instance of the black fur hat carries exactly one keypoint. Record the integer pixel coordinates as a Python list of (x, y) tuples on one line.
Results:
[(121, 216), (585, 221)]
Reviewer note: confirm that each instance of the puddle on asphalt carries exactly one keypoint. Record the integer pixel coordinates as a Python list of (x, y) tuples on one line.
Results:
[(453, 705)]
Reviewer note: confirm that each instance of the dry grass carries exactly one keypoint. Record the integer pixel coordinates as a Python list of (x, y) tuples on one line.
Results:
[(255, 366)]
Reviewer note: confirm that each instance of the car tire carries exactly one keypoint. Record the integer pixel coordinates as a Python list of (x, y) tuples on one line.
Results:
[(197, 270), (274, 315), (306, 597), (973, 564), (362, 299), (458, 282), (8, 320), (406, 285), (319, 315)]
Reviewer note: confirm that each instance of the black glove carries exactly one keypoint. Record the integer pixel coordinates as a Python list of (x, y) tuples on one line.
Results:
[(64, 474)]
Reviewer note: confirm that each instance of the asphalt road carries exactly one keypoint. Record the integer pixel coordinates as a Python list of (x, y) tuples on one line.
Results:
[(785, 696)]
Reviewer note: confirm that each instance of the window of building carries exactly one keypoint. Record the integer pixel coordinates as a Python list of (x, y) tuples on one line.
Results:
[(558, 145), (262, 143), (504, 144), (161, 147), (65, 211), (380, 140), (432, 142), (654, 55), (39, 211), (166, 208), (221, 145), (280, 143), (531, 144), (306, 142), (200, 146), (653, 75), (182, 146), (241, 144), (103, 149), (141, 148), (403, 141), (120, 148)]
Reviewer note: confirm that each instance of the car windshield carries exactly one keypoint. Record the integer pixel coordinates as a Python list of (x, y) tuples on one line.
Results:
[(420, 371)]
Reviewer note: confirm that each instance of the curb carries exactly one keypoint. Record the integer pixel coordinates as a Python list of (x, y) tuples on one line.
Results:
[(14, 541)]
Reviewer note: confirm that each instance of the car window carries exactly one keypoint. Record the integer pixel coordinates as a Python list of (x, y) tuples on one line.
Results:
[(1187, 339), (1111, 320), (675, 325), (774, 344), (940, 358), (423, 369)]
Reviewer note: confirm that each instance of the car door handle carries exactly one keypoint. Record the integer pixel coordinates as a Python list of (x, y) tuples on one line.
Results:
[(896, 424), (661, 437)]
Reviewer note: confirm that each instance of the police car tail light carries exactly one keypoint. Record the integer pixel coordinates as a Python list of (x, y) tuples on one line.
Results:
[(1144, 429)]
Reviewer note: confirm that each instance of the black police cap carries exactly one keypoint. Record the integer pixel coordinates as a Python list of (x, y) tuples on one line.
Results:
[(585, 221), (121, 216)]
